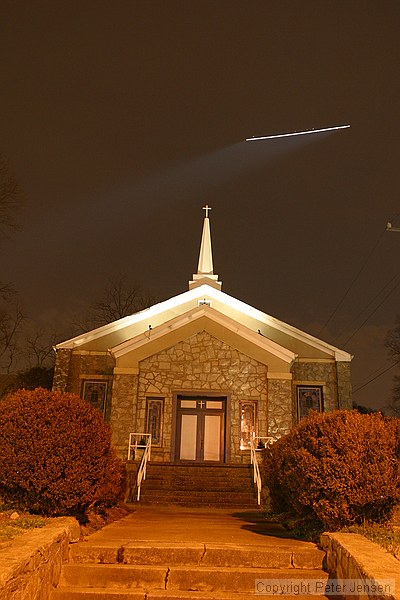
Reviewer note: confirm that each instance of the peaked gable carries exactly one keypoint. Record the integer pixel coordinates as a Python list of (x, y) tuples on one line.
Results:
[(245, 316)]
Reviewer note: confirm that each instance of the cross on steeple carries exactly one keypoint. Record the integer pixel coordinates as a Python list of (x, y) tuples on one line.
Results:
[(206, 208), (205, 271)]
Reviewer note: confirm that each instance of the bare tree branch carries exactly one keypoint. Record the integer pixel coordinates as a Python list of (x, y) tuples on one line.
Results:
[(38, 348), (120, 299), (10, 197), (11, 319)]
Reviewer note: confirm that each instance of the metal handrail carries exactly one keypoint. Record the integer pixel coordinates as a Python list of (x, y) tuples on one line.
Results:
[(254, 448), (134, 445)]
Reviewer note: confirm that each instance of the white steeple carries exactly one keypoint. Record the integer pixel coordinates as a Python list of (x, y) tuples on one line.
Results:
[(205, 270)]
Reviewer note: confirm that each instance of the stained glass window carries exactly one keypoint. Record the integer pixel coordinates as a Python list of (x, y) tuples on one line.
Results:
[(155, 413), (248, 423), (309, 398), (95, 392)]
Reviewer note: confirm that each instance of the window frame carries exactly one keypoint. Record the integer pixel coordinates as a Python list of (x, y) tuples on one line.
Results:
[(254, 403), (98, 382), (301, 390), (160, 402)]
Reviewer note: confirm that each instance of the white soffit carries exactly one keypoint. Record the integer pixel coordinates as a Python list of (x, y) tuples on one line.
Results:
[(205, 291), (214, 315)]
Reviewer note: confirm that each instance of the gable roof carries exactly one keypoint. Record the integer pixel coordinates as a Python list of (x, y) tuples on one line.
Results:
[(131, 329), (204, 318)]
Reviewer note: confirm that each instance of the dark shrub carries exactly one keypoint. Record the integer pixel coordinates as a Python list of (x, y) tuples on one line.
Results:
[(55, 453), (341, 468)]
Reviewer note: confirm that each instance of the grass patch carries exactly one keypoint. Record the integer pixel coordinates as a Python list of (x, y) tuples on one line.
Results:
[(384, 535), (302, 528), (11, 528)]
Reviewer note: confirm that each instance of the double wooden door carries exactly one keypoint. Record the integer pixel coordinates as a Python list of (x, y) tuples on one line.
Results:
[(200, 428)]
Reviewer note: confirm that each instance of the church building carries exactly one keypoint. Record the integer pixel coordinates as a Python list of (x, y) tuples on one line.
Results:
[(203, 373)]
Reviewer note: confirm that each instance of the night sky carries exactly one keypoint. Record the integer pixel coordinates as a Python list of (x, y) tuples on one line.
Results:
[(122, 119)]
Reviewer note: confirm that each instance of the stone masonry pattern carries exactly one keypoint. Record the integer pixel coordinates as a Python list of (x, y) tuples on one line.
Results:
[(203, 363)]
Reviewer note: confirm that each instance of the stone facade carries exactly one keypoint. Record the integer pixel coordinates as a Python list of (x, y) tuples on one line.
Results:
[(123, 411), (344, 385), (280, 407), (203, 363), (321, 373), (74, 367)]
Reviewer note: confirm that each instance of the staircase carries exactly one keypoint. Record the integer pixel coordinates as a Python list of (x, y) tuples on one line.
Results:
[(187, 571), (221, 486)]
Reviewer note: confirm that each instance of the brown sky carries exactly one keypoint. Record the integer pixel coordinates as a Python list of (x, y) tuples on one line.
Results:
[(121, 119)]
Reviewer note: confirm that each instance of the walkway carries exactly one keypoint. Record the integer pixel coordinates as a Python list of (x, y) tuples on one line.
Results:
[(171, 553), (172, 524)]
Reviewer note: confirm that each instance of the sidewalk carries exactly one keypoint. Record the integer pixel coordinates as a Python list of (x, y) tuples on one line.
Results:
[(175, 553), (174, 524)]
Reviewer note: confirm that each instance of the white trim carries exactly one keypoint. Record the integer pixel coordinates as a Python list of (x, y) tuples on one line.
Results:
[(126, 371), (95, 377), (214, 315), (194, 294), (90, 353), (279, 375)]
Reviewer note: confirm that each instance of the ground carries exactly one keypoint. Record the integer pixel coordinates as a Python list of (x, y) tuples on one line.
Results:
[(14, 523)]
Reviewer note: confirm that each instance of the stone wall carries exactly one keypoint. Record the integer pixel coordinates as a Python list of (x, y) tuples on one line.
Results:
[(123, 411), (280, 409), (315, 373), (344, 385), (61, 369), (73, 366), (88, 363), (205, 364), (30, 565), (350, 556)]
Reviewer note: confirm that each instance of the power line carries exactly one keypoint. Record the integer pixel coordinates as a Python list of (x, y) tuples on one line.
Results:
[(376, 377), (367, 377), (366, 307), (352, 283), (372, 313)]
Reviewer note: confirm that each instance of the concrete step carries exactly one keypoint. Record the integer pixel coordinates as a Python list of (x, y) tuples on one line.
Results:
[(197, 485), (206, 482), (182, 578), (118, 594), (207, 495), (209, 472), (161, 500), (200, 470), (198, 554)]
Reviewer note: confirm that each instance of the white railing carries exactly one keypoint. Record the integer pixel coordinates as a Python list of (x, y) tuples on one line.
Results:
[(140, 443), (257, 444)]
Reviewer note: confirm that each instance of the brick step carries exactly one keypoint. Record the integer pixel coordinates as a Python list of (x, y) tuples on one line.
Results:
[(200, 486), (228, 501), (214, 555), (198, 469), (199, 494), (72, 593), (228, 504), (185, 578), (206, 473), (200, 481)]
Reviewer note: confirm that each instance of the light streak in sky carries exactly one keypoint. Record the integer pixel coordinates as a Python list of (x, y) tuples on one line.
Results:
[(306, 132)]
